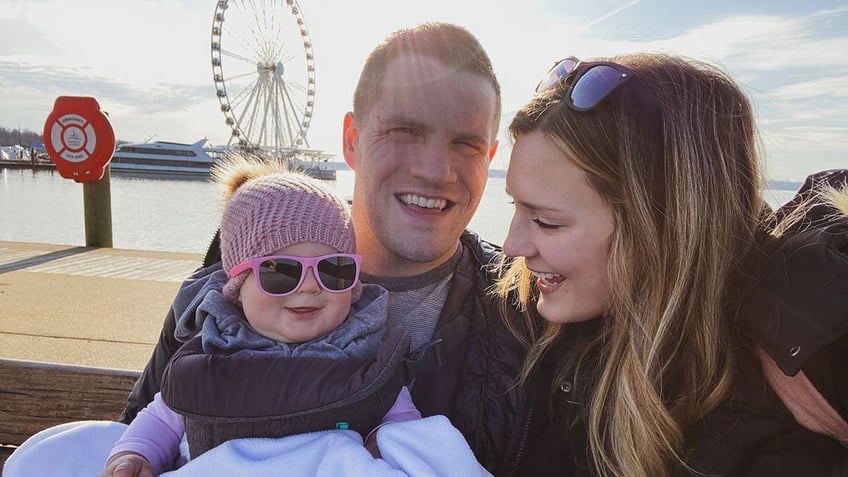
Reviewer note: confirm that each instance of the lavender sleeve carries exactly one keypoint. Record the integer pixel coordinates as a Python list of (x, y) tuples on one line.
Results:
[(155, 434), (402, 410)]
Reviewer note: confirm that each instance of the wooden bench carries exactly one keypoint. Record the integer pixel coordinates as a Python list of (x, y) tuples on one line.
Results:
[(35, 396)]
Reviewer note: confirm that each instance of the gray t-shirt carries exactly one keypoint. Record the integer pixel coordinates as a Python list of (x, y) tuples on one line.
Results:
[(415, 303)]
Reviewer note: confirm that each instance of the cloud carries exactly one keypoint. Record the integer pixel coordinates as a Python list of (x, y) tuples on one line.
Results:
[(32, 89), (833, 86), (22, 37), (797, 151), (794, 69), (149, 42), (49, 81), (148, 61)]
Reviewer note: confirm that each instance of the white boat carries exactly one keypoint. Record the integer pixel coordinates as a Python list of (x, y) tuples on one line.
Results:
[(164, 157), (310, 161)]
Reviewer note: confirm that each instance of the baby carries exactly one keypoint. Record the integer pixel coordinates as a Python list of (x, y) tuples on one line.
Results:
[(290, 290)]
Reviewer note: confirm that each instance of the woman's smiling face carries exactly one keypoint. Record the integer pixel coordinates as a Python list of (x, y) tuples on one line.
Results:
[(563, 229)]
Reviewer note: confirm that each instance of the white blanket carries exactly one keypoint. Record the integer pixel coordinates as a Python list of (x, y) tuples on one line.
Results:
[(423, 447)]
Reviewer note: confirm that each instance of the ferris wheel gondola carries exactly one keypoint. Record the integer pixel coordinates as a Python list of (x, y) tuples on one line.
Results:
[(263, 68)]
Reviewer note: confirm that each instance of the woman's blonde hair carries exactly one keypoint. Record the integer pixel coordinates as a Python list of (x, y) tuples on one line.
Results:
[(681, 174)]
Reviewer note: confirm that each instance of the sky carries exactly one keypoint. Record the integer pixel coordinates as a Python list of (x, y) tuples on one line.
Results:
[(147, 62)]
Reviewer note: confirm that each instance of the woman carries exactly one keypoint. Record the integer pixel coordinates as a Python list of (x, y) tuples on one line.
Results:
[(640, 234)]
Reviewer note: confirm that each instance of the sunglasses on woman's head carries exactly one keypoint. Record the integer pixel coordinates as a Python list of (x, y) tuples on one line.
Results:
[(281, 275), (590, 82)]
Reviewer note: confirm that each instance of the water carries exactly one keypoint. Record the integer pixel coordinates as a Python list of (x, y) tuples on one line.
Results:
[(174, 215)]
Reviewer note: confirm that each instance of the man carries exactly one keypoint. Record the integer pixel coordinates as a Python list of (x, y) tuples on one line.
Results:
[(420, 139)]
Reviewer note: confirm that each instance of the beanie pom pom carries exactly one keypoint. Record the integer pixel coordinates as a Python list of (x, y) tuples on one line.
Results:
[(234, 170)]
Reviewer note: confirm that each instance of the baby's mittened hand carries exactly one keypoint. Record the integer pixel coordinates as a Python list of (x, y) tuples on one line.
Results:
[(127, 464)]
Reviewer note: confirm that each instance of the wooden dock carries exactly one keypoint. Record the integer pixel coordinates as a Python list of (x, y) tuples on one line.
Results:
[(79, 324)]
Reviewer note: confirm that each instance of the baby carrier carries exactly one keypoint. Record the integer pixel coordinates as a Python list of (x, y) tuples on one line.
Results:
[(224, 397)]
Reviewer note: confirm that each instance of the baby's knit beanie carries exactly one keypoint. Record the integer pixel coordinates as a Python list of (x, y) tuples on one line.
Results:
[(275, 210)]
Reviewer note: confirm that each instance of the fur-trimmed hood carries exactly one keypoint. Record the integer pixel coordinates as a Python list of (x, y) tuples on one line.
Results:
[(800, 306)]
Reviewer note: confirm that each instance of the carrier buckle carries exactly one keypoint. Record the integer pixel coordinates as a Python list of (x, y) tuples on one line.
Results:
[(424, 359)]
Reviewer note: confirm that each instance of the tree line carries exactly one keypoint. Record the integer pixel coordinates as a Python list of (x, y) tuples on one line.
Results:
[(26, 138)]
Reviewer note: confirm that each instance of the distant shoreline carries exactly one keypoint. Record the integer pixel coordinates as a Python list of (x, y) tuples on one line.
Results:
[(772, 184), (341, 166), (26, 164)]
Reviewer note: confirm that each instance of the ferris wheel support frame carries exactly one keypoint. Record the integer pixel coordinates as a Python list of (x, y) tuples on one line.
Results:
[(277, 99)]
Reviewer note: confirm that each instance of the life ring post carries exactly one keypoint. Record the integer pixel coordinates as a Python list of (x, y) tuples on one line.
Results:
[(80, 140)]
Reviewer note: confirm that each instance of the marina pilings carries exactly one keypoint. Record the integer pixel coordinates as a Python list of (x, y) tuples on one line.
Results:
[(97, 203)]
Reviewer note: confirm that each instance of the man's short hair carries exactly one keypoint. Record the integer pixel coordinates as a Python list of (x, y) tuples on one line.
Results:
[(451, 44)]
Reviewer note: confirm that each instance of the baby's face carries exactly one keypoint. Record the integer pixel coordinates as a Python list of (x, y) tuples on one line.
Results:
[(307, 313)]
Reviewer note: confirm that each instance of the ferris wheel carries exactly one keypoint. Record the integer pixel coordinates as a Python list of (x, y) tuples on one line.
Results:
[(264, 73)]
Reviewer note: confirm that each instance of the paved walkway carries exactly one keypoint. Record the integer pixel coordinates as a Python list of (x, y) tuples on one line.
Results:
[(86, 306)]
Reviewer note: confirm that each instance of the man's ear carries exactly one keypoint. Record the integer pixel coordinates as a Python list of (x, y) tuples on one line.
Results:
[(349, 135), (493, 150)]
